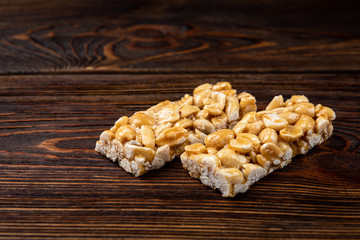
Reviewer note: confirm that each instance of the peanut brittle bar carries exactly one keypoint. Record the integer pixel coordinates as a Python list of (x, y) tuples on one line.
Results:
[(148, 139), (261, 142)]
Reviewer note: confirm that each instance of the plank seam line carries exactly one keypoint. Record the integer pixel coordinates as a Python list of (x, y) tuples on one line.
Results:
[(177, 72)]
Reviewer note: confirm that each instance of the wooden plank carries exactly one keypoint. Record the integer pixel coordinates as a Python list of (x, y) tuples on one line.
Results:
[(179, 36), (53, 185)]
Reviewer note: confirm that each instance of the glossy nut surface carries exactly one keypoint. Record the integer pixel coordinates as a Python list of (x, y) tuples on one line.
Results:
[(271, 151), (132, 152), (290, 117), (232, 108), (298, 99), (306, 123), (240, 127), (125, 133), (188, 110), (241, 145), (327, 113), (202, 87), (184, 123), (200, 97), (247, 103), (172, 136), (161, 128), (274, 121), (220, 86), (219, 138), (229, 158), (212, 107), (204, 126), (121, 121), (141, 118), (254, 139), (276, 102), (186, 100), (170, 113), (147, 136), (209, 159), (195, 148), (230, 92), (268, 135), (202, 114), (255, 127), (158, 107), (249, 118), (261, 160), (232, 175), (212, 150), (304, 108), (291, 133)]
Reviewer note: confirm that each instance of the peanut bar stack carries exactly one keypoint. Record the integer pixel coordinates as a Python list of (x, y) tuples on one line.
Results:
[(261, 142), (149, 139)]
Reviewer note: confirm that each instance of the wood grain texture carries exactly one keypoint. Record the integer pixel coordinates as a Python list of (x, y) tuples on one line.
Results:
[(69, 69), (54, 185), (179, 36)]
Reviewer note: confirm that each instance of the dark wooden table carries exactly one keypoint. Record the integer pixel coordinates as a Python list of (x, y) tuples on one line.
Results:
[(69, 69)]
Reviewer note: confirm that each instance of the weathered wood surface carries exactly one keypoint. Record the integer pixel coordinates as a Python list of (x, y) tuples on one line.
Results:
[(52, 183), (179, 36), (69, 69)]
